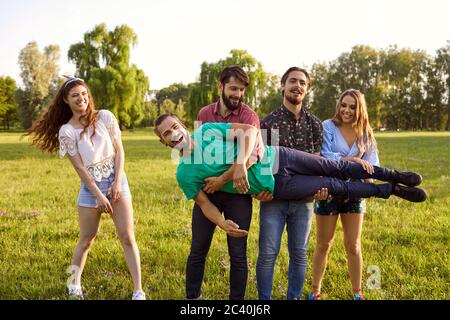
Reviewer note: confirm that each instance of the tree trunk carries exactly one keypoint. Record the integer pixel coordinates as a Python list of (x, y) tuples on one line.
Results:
[(448, 116)]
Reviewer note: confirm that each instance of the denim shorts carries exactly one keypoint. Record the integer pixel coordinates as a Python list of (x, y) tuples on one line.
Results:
[(87, 199)]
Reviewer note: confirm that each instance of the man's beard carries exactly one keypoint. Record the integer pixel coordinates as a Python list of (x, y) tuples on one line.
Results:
[(228, 103), (294, 101)]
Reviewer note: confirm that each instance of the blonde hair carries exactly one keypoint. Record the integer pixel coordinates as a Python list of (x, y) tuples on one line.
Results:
[(365, 139)]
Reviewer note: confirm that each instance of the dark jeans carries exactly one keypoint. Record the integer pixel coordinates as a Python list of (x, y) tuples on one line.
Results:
[(238, 208), (301, 175)]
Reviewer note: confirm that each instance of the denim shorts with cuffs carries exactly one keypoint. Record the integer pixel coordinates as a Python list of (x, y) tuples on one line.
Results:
[(87, 199)]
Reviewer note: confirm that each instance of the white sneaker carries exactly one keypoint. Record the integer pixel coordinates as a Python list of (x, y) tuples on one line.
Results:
[(75, 291), (138, 295)]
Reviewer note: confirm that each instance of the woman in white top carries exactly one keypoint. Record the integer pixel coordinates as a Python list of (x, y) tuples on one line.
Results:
[(92, 141), (347, 136)]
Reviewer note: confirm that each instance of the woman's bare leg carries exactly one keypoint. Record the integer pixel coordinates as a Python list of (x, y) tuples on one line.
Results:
[(352, 226), (123, 219), (89, 220), (326, 226)]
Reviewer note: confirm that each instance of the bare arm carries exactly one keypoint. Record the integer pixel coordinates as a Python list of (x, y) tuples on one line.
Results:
[(102, 202), (119, 159), (119, 162), (212, 213), (246, 136)]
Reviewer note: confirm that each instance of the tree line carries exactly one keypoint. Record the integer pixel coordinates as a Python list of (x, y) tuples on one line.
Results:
[(404, 88)]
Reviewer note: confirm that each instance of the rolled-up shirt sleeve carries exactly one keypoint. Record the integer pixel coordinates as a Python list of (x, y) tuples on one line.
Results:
[(328, 142), (372, 157)]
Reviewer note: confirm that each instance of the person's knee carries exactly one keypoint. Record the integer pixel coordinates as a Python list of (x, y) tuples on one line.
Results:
[(353, 248), (324, 247), (198, 254), (87, 241), (267, 258), (127, 238), (298, 255), (238, 258), (237, 247), (200, 248)]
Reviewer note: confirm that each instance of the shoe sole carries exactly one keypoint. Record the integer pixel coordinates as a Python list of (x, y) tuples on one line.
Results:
[(418, 183), (419, 194)]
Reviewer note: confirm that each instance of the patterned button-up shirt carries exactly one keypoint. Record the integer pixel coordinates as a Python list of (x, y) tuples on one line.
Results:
[(304, 134)]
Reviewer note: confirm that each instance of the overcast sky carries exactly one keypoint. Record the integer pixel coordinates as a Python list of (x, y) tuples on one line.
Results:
[(176, 36)]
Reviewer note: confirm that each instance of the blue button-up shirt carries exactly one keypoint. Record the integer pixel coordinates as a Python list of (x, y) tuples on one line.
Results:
[(335, 146)]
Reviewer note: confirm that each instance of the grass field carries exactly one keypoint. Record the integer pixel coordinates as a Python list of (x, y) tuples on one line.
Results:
[(408, 243)]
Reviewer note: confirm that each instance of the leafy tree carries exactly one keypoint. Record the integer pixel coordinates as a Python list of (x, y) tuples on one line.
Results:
[(168, 106), (103, 61), (404, 71), (195, 100), (174, 92), (272, 97), (39, 73), (150, 114), (8, 106), (323, 92), (442, 77), (404, 89)]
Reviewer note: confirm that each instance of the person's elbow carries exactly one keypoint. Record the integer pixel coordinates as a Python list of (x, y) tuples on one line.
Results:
[(251, 130), (76, 163), (201, 199), (244, 127)]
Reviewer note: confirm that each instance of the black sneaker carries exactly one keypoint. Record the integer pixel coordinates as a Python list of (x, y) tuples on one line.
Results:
[(412, 194), (410, 179)]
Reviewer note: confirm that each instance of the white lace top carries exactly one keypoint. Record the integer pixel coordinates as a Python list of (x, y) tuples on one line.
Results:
[(97, 154)]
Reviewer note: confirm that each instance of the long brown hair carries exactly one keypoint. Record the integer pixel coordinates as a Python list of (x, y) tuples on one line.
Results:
[(365, 139), (45, 130)]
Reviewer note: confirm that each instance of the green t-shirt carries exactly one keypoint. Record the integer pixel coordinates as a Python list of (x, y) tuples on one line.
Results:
[(214, 152)]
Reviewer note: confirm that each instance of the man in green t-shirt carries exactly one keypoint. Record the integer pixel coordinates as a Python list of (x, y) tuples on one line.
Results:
[(213, 154)]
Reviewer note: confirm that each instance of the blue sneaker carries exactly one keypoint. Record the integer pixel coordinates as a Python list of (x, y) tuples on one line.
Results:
[(313, 296), (358, 296)]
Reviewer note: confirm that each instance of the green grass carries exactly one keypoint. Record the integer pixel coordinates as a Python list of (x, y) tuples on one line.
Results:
[(408, 242)]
